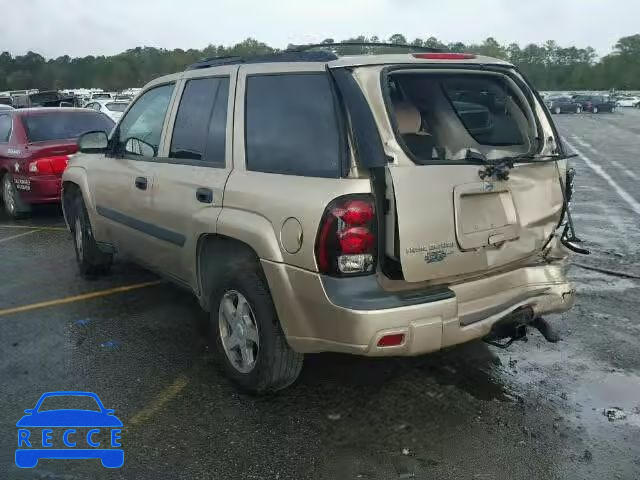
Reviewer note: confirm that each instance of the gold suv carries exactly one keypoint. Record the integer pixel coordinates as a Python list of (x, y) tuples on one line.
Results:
[(374, 204)]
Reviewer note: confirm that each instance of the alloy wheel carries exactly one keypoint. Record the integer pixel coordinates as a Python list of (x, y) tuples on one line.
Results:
[(238, 331)]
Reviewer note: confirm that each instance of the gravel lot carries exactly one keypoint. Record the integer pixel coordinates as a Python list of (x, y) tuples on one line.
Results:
[(534, 411)]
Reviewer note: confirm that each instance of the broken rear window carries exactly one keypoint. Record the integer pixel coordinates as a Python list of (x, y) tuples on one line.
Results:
[(442, 115)]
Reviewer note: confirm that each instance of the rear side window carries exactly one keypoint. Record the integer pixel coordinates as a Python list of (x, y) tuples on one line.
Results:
[(291, 125), (201, 123), (5, 128), (57, 125)]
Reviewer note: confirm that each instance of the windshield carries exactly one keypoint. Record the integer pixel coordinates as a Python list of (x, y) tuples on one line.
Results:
[(56, 125), (442, 116), (66, 402), (117, 107)]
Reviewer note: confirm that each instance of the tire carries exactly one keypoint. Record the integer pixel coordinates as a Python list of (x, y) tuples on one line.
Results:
[(595, 110), (275, 365), (557, 110), (14, 207), (91, 260)]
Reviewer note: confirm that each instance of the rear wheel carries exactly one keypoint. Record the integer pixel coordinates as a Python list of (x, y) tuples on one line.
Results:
[(249, 342), (13, 204), (91, 260)]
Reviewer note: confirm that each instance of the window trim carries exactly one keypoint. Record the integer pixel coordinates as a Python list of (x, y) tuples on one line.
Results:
[(338, 113), (174, 117), (115, 137), (8, 140)]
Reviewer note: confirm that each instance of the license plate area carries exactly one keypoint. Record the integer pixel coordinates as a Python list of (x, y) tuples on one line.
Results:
[(485, 215)]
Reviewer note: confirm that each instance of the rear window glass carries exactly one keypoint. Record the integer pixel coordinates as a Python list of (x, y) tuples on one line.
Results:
[(117, 107), (46, 126), (440, 116), (291, 125)]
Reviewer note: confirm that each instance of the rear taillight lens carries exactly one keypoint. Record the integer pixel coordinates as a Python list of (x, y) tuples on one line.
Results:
[(49, 165), (347, 237)]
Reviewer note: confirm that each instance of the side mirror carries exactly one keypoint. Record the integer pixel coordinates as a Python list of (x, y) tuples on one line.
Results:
[(139, 147), (93, 142)]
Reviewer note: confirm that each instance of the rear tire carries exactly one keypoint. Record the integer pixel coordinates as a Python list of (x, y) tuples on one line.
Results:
[(272, 364), (91, 260), (14, 207)]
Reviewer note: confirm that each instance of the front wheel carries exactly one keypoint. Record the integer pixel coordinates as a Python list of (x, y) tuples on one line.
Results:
[(91, 260), (13, 204), (248, 338)]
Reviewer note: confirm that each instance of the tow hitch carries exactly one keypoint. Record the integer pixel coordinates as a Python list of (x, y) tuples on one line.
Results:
[(513, 328)]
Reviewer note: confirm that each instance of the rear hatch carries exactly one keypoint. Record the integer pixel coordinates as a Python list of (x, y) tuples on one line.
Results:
[(447, 216)]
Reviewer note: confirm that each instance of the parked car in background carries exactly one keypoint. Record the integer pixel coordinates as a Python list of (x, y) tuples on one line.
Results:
[(628, 101), (111, 108), (5, 107), (50, 98), (6, 100), (234, 179), (563, 104), (35, 145), (595, 103), (123, 97)]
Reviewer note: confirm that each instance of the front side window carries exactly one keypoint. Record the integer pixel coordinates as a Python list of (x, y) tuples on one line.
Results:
[(201, 123), (5, 128), (144, 121), (291, 125)]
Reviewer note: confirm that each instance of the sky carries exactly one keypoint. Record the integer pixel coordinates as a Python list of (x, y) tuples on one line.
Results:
[(106, 27)]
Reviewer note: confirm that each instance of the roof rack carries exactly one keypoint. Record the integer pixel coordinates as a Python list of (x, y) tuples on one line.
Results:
[(304, 48), (285, 56)]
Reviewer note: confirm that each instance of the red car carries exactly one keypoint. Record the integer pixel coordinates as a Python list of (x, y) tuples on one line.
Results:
[(35, 144)]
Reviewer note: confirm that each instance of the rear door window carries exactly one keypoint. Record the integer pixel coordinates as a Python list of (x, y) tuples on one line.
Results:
[(56, 125), (200, 128), (291, 125)]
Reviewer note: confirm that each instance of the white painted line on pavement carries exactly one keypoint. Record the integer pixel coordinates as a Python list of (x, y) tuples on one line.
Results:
[(5, 239), (632, 202), (625, 170)]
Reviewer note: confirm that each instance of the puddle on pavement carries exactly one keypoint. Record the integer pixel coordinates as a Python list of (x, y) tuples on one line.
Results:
[(610, 391)]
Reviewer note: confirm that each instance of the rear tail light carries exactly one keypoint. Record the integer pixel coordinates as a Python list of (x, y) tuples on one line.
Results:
[(347, 237), (444, 56), (49, 165)]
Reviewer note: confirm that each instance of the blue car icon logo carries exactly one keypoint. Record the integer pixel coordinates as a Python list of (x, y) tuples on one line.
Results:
[(84, 433)]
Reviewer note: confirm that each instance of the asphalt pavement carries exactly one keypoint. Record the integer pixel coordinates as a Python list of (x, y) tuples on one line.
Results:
[(536, 410)]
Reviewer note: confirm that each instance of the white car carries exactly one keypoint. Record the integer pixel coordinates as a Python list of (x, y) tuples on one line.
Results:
[(628, 102), (111, 108)]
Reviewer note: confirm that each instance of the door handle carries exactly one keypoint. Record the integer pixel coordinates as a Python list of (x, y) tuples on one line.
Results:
[(141, 183), (204, 195)]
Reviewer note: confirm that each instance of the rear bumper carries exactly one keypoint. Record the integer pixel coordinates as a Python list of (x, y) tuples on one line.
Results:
[(38, 189), (318, 314)]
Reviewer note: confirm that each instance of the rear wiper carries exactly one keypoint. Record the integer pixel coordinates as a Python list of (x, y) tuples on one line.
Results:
[(499, 167), (536, 158)]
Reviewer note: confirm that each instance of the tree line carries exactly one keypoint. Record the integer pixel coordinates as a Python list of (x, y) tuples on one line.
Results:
[(549, 66)]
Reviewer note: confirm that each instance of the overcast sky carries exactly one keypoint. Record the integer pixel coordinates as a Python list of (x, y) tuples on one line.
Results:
[(90, 27)]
